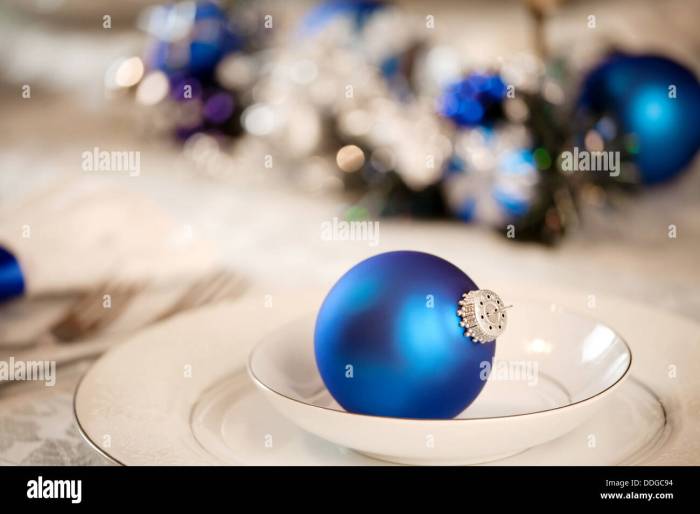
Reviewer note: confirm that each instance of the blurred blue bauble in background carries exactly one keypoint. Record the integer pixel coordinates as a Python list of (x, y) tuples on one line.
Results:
[(654, 105), (492, 176), (190, 38), (388, 340), (321, 15), (474, 100), (500, 193)]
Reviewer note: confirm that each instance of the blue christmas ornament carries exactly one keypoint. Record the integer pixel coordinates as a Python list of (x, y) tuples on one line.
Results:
[(189, 39), (654, 104), (11, 276), (359, 11), (493, 179), (473, 100), (407, 334)]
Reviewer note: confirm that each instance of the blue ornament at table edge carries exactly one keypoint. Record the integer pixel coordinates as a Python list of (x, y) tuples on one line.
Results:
[(12, 282), (388, 340), (656, 104)]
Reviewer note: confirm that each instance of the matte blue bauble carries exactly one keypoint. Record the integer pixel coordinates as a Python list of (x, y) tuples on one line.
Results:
[(388, 340), (656, 104)]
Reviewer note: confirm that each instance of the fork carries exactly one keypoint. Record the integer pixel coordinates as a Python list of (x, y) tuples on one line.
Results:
[(95, 311), (214, 287), (86, 319)]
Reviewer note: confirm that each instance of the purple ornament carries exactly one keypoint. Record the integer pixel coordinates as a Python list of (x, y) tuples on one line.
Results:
[(218, 108)]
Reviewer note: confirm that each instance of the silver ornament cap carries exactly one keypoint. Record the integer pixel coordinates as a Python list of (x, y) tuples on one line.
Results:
[(483, 315)]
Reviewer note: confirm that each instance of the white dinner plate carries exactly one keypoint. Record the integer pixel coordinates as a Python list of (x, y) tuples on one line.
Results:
[(178, 393)]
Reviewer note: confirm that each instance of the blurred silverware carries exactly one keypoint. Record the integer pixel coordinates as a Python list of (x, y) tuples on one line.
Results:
[(95, 311), (86, 319), (212, 288)]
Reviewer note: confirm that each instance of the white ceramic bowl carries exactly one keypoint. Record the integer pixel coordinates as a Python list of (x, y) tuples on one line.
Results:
[(553, 369)]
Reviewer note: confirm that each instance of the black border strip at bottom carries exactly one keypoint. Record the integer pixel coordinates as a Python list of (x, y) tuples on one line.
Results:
[(495, 486)]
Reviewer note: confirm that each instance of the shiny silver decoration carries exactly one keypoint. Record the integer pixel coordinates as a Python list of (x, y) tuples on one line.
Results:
[(483, 315)]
